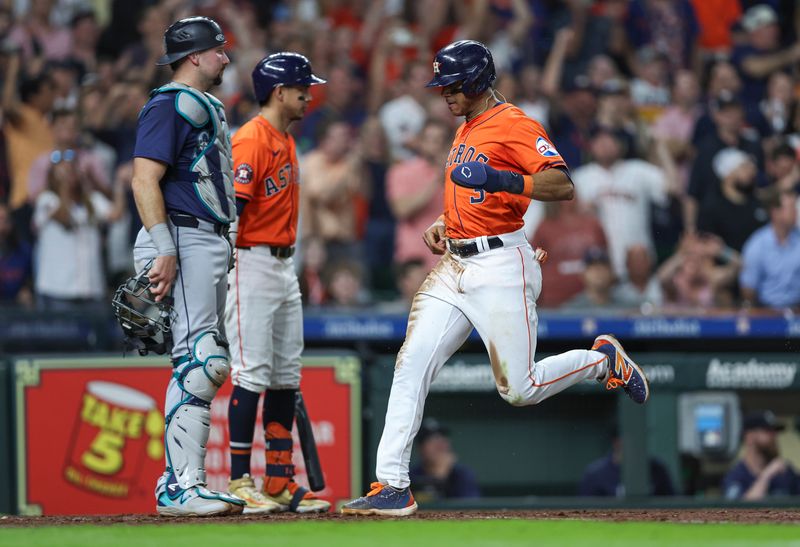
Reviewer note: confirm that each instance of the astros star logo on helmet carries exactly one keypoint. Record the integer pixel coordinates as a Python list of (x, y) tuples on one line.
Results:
[(436, 67)]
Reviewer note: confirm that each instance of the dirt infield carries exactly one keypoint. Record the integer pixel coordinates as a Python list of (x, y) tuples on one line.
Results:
[(739, 516)]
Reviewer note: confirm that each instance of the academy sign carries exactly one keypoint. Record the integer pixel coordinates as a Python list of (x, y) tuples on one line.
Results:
[(752, 374)]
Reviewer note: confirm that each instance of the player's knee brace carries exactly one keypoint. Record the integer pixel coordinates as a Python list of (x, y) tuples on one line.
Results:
[(202, 373), (198, 376)]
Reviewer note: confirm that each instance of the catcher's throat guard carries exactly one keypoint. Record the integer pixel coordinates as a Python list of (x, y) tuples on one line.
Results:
[(146, 323)]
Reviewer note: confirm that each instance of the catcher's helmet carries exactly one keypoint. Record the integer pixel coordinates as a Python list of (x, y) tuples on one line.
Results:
[(465, 61), (147, 324), (188, 36), (283, 68)]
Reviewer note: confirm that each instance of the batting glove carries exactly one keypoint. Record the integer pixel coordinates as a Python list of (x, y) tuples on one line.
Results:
[(482, 176)]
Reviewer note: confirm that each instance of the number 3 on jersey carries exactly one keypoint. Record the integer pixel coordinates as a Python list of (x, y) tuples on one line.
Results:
[(481, 195)]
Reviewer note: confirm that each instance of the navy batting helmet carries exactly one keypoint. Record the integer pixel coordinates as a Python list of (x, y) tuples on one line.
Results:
[(188, 36), (283, 68), (465, 61)]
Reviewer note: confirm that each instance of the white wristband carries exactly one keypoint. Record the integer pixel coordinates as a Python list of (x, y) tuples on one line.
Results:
[(162, 239)]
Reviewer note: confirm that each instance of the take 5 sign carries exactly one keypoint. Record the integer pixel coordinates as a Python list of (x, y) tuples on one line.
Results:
[(90, 433)]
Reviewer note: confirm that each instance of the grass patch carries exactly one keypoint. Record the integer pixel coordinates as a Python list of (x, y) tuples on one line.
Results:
[(408, 533)]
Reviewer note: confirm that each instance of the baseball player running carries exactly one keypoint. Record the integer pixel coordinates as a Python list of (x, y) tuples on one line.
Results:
[(182, 171), (264, 312), (489, 277)]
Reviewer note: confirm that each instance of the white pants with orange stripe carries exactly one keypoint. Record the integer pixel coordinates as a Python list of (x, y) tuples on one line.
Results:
[(264, 321), (494, 291)]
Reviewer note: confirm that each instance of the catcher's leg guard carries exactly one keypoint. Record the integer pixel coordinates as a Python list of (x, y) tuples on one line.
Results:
[(279, 485), (195, 380)]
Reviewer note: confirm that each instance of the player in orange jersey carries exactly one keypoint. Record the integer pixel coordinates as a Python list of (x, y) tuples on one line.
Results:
[(263, 317), (489, 277)]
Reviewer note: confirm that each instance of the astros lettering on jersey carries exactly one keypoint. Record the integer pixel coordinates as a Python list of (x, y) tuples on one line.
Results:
[(266, 175), (508, 140)]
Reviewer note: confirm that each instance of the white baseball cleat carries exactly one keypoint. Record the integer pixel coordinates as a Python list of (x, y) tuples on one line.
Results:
[(195, 501)]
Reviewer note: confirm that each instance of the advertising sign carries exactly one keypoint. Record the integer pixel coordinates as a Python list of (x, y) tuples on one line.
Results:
[(90, 432)]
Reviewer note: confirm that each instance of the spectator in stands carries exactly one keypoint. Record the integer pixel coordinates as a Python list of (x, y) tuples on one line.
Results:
[(650, 85), (675, 127), (344, 285), (714, 24), (641, 290), (783, 168), (599, 284), (342, 104), (138, 60), (66, 136), (38, 38), (415, 192), (722, 80), (403, 117), (503, 28), (27, 128), (616, 112), (622, 192), (761, 472), (669, 25), (598, 34), (332, 186), (728, 115), (438, 474), (700, 275), (761, 55), (772, 116), (735, 213), (16, 274), (771, 256), (531, 100), (603, 477), (573, 102), (111, 115), (84, 35), (784, 171), (567, 232), (409, 274), (65, 76), (67, 217), (379, 233)]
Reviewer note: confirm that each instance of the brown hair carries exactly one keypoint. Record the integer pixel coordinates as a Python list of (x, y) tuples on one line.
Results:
[(83, 196)]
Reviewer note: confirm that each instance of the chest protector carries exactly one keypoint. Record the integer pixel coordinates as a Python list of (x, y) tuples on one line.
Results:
[(203, 110)]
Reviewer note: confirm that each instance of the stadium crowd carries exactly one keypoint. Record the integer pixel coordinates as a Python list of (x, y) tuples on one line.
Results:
[(679, 119)]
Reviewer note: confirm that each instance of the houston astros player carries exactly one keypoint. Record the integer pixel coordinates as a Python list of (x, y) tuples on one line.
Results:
[(264, 313), (182, 171), (489, 277)]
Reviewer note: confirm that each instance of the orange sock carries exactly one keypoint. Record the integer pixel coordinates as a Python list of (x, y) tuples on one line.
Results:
[(279, 459)]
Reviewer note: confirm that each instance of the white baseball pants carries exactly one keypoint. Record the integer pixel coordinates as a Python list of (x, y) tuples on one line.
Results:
[(495, 291), (264, 321)]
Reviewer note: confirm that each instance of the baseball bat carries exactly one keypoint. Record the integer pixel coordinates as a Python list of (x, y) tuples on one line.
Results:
[(316, 481)]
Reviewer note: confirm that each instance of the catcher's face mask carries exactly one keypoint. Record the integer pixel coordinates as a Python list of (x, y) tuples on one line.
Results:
[(146, 323)]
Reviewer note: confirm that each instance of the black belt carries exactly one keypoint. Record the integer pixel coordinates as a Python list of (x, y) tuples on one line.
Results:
[(465, 250), (188, 221), (277, 252)]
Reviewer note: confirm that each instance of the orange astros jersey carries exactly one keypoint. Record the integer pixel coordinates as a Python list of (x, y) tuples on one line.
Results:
[(266, 175), (508, 140)]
